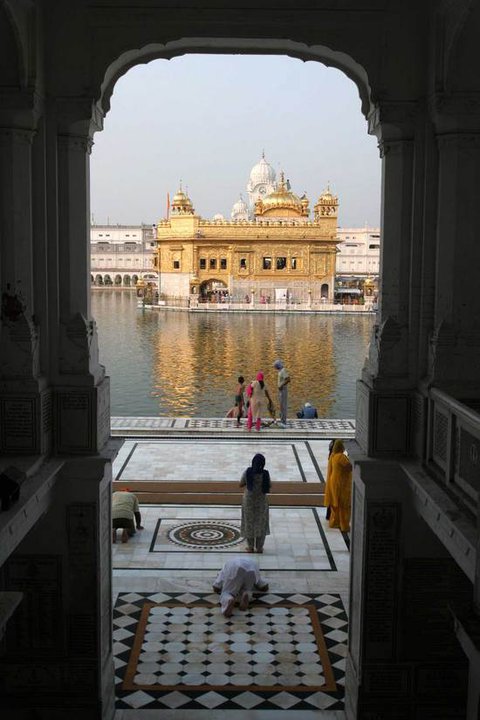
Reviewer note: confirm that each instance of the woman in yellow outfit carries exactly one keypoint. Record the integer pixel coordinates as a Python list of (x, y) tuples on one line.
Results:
[(338, 491)]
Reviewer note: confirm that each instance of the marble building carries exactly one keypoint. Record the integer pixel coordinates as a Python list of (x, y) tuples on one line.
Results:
[(413, 648), (358, 261), (121, 255)]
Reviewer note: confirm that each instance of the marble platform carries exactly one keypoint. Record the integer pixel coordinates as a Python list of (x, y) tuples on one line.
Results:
[(168, 426), (176, 656)]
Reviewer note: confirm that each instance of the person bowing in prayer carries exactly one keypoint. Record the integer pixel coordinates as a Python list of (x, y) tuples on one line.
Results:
[(236, 582)]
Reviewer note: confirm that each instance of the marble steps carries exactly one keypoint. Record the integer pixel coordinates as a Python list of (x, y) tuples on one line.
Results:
[(284, 494)]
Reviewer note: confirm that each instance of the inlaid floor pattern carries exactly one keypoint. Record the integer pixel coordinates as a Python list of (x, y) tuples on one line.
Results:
[(175, 650)]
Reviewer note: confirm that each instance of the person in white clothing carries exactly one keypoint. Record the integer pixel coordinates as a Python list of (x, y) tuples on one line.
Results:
[(236, 581)]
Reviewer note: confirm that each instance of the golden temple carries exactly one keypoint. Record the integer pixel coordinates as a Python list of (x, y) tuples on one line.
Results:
[(268, 252)]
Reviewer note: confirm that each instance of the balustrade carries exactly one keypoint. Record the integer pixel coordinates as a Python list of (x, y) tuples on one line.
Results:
[(453, 445)]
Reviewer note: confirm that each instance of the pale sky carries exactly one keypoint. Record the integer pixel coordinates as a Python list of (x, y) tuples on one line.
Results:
[(205, 120)]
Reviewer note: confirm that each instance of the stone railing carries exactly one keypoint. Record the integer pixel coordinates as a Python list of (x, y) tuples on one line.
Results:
[(194, 303), (453, 445)]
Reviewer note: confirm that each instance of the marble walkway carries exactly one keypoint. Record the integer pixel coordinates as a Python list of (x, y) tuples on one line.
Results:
[(176, 656)]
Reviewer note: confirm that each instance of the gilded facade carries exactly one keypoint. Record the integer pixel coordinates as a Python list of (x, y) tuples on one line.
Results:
[(270, 251)]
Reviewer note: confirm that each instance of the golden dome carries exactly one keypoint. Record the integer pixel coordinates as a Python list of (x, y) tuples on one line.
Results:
[(179, 198), (181, 203), (327, 205), (326, 198), (282, 199)]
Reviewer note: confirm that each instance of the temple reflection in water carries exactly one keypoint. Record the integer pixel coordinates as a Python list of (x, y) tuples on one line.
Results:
[(177, 363)]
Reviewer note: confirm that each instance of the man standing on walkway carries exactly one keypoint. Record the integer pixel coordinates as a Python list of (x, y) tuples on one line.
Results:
[(283, 380)]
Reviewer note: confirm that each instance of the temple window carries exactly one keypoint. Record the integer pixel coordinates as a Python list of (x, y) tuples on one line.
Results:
[(223, 263), (294, 263), (243, 263), (203, 264), (213, 263), (267, 263), (281, 263), (176, 264)]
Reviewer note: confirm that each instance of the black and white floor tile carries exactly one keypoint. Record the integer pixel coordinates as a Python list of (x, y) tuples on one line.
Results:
[(176, 651)]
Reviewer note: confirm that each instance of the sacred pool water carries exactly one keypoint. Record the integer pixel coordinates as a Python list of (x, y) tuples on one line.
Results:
[(186, 364)]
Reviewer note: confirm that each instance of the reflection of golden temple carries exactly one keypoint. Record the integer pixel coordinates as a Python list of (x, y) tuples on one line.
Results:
[(184, 383), (273, 249)]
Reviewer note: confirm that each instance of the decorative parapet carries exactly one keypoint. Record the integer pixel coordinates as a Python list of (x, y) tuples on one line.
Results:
[(250, 223), (453, 448)]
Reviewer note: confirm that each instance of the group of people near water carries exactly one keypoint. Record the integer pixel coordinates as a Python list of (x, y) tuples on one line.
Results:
[(255, 401), (240, 576)]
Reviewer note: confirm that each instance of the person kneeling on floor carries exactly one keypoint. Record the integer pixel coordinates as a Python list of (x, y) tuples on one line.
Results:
[(125, 514), (236, 581)]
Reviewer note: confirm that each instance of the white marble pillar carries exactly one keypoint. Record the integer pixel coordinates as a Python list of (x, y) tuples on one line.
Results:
[(82, 409), (383, 393), (455, 344), (24, 398)]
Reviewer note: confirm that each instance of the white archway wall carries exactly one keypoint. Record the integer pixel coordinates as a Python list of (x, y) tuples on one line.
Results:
[(172, 49), (436, 262)]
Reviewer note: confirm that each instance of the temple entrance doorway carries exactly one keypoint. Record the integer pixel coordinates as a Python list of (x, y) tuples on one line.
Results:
[(215, 291)]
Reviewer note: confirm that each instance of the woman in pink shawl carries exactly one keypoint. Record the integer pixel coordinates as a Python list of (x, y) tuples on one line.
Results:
[(259, 401)]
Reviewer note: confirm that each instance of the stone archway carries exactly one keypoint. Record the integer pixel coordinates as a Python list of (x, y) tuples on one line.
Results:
[(213, 290), (427, 322)]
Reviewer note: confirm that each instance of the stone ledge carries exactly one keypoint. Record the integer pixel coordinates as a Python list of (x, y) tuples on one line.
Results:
[(35, 497), (444, 518)]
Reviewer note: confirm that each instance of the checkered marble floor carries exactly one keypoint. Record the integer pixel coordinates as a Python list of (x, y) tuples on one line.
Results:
[(214, 668), (176, 650)]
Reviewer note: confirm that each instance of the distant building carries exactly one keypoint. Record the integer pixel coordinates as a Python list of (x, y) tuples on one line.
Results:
[(272, 250), (358, 261), (122, 255)]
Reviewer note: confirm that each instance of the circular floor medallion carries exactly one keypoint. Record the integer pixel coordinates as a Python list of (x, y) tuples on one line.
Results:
[(205, 534)]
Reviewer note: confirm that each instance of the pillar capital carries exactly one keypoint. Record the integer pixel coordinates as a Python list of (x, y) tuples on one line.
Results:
[(393, 120), (10, 135), (451, 112), (394, 147), (20, 108), (466, 141), (78, 116), (80, 143)]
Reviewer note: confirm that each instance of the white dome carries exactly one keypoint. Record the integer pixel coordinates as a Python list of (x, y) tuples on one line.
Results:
[(218, 216), (240, 207), (239, 210), (262, 173)]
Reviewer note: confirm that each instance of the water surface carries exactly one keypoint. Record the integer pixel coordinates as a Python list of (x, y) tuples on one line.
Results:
[(186, 364)]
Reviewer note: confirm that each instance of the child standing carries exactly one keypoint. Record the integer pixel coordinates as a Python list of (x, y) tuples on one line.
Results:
[(239, 398)]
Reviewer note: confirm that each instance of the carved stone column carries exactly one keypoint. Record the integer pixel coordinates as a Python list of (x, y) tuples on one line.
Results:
[(82, 409), (404, 660), (454, 362), (58, 645), (24, 398), (383, 393)]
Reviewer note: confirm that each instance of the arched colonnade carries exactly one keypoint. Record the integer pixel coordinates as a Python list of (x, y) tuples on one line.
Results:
[(413, 67)]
